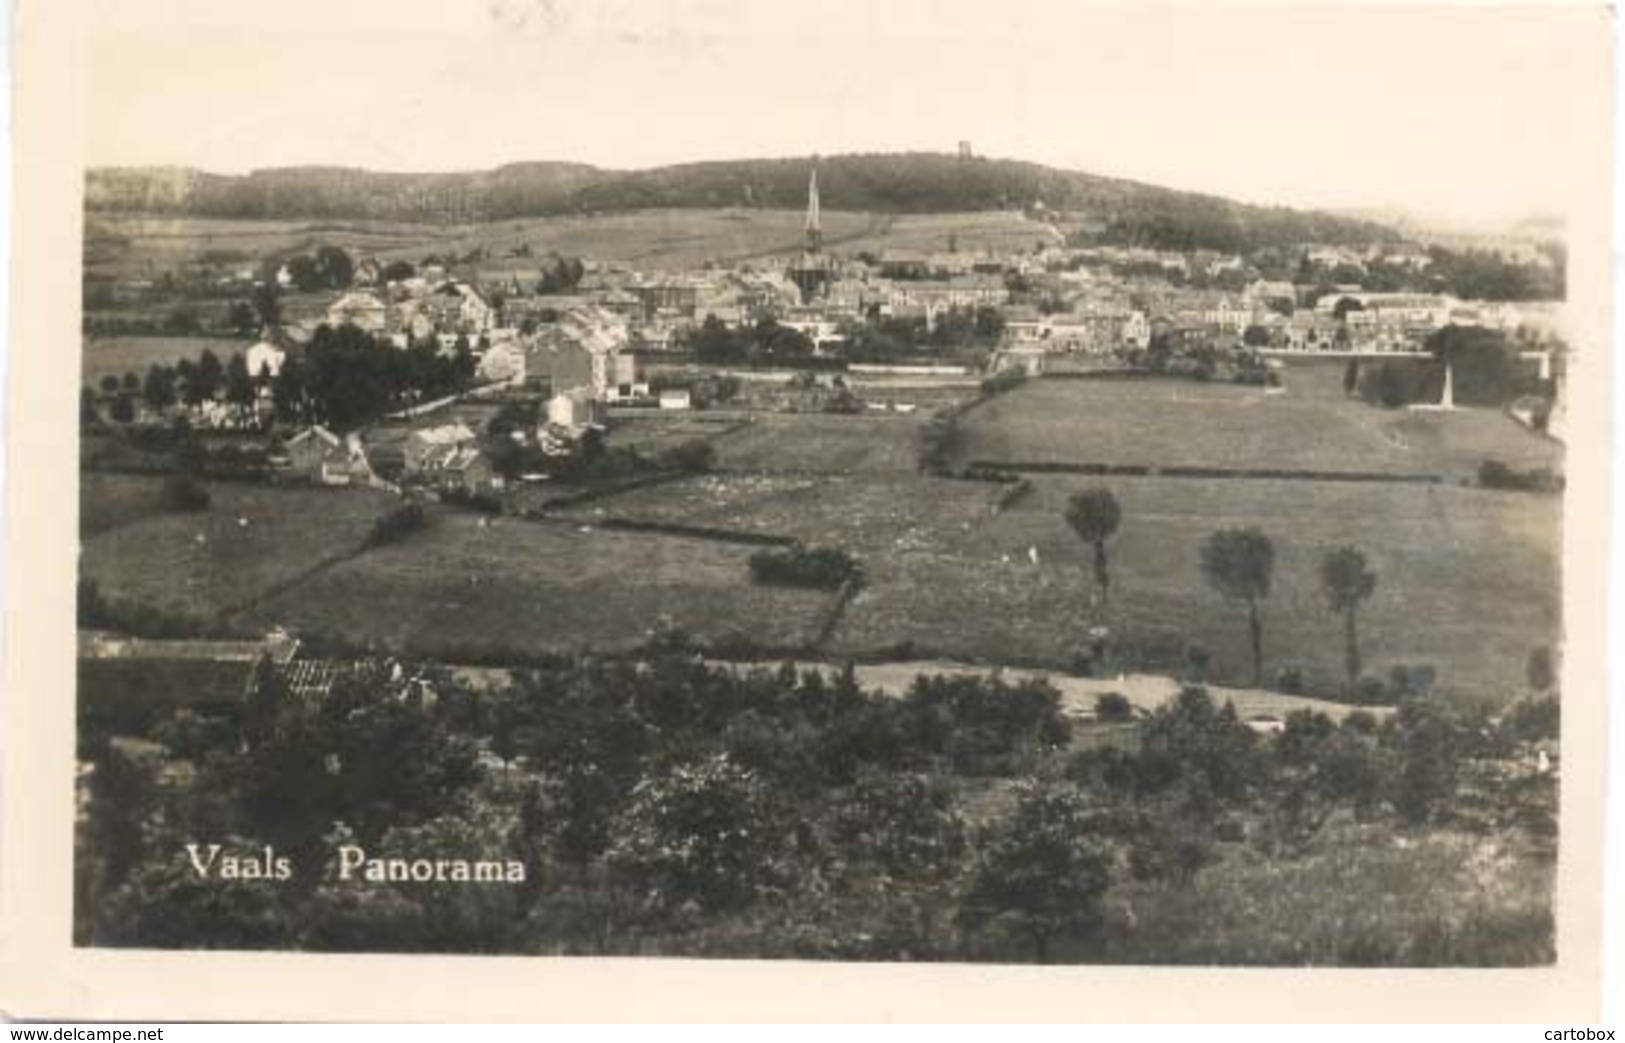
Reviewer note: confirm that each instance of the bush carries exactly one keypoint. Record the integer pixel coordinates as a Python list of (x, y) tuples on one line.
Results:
[(1394, 383), (1113, 706), (396, 524), (1290, 681), (1533, 718), (183, 494), (999, 383), (1371, 691), (818, 568), (1493, 474), (695, 455), (1197, 663), (484, 503)]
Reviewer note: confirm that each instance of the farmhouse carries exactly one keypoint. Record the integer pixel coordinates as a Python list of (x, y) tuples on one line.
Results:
[(458, 466), (432, 442), (361, 309), (320, 456)]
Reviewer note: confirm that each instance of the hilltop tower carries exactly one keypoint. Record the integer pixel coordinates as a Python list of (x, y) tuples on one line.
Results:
[(815, 231)]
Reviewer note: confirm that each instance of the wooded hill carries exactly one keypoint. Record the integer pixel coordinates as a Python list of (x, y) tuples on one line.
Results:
[(1117, 210)]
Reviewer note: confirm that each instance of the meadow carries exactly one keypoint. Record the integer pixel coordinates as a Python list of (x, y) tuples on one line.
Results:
[(107, 501), (1467, 577), (824, 442), (867, 514), (970, 233), (1467, 582), (1155, 422), (493, 588), (252, 540), (132, 246)]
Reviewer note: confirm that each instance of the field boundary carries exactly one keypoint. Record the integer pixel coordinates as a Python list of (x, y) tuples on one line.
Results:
[(697, 532), (843, 598), (1177, 471), (281, 587), (575, 499)]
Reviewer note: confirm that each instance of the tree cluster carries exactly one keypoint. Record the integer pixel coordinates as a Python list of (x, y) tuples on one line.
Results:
[(346, 376), (764, 344)]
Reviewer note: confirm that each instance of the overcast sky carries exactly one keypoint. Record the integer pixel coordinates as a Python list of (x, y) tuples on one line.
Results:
[(1451, 112)]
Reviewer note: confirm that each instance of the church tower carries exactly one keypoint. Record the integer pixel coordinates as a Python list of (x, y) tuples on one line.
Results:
[(812, 270), (815, 231)]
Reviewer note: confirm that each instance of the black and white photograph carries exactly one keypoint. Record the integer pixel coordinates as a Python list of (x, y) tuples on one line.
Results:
[(979, 484)]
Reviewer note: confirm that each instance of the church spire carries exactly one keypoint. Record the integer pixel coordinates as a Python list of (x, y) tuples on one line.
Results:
[(815, 231)]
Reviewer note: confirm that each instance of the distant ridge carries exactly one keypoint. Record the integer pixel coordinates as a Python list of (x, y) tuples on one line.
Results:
[(914, 182)]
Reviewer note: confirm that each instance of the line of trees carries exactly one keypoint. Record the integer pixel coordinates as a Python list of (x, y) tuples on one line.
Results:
[(1239, 564), (187, 383), (343, 377)]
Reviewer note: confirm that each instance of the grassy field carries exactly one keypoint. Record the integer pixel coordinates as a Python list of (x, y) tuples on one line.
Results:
[(1468, 578), (660, 239), (868, 514), (1467, 581), (652, 432), (514, 587), (135, 246), (251, 540), (1183, 423), (108, 501), (116, 356), (998, 230), (867, 443)]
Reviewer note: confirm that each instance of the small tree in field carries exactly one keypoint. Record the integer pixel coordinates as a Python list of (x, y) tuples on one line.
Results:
[(1043, 875), (1238, 563), (1347, 582), (1094, 515)]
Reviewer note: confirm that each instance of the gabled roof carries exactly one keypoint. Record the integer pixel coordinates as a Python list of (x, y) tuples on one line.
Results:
[(316, 431)]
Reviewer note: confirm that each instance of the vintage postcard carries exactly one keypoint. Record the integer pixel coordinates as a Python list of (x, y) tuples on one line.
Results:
[(544, 508)]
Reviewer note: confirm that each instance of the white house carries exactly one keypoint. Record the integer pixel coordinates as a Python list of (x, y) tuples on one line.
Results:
[(361, 309), (265, 357), (575, 409)]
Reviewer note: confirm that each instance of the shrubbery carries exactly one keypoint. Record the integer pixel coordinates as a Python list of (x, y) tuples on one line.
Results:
[(396, 524), (1113, 706), (999, 383), (484, 503), (695, 455), (818, 568), (1494, 474)]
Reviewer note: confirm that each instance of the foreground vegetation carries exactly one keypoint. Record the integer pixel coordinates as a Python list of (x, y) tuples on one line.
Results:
[(661, 806)]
